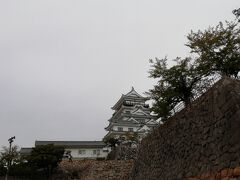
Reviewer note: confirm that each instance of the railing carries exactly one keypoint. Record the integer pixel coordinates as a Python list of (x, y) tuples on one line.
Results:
[(209, 84)]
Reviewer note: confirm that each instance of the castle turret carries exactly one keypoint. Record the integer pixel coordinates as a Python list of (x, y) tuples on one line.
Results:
[(131, 115)]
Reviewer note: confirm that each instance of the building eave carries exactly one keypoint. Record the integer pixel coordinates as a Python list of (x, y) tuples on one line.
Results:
[(130, 96), (73, 144), (118, 102), (108, 127)]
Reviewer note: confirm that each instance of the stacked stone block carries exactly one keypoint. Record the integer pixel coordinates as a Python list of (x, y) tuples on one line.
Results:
[(203, 137), (96, 170), (225, 174)]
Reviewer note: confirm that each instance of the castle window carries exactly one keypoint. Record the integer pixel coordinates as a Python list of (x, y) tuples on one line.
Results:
[(130, 129), (120, 129), (96, 151), (128, 103), (82, 151)]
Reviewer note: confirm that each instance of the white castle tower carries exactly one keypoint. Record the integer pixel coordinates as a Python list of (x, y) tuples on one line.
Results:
[(132, 115)]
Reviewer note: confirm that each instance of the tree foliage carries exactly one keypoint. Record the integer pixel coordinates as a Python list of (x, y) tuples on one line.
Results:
[(46, 158), (3, 170), (12, 159), (111, 141), (115, 141), (175, 84), (132, 136), (9, 157), (217, 49), (21, 169), (42, 161), (236, 12)]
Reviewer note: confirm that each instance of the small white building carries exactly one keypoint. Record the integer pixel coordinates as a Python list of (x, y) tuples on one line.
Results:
[(81, 149), (78, 149)]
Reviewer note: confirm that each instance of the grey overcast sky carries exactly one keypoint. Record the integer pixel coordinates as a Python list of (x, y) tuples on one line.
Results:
[(64, 63)]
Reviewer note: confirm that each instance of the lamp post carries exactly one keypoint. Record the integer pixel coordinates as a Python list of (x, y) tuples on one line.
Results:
[(9, 162)]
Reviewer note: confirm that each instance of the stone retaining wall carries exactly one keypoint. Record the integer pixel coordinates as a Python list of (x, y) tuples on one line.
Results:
[(204, 137), (225, 174), (97, 170)]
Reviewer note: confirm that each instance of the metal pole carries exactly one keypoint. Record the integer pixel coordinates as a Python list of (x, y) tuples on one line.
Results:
[(9, 162)]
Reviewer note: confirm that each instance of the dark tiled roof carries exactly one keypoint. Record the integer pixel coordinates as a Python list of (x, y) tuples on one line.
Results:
[(25, 151), (73, 144)]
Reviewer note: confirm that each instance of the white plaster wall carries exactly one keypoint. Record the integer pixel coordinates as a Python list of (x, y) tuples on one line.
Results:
[(88, 152)]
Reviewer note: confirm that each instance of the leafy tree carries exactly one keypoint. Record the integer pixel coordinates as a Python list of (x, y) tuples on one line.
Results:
[(217, 49), (132, 136), (111, 141), (21, 169), (46, 158), (43, 159), (9, 158), (178, 83), (3, 169), (236, 12)]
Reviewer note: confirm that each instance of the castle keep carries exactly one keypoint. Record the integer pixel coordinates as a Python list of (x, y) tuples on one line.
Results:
[(131, 115)]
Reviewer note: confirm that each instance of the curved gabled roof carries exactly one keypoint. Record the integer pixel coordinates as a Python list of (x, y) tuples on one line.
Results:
[(134, 93), (130, 95)]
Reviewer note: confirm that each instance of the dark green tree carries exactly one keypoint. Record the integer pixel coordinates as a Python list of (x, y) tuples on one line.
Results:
[(21, 169), (46, 158), (111, 141), (217, 49), (176, 84), (3, 170)]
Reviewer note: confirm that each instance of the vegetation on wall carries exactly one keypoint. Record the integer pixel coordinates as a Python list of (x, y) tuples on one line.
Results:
[(175, 84)]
